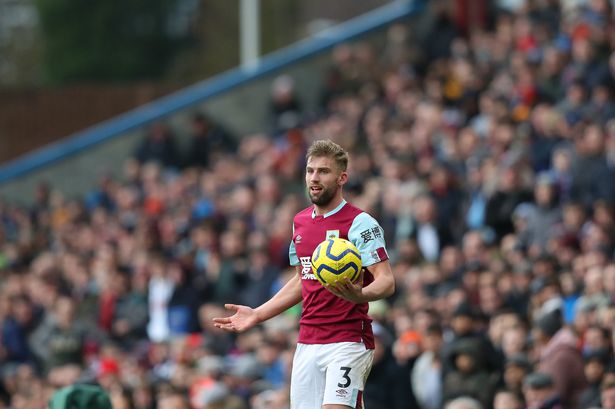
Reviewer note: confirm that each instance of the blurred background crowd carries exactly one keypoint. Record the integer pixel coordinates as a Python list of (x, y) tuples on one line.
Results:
[(487, 155)]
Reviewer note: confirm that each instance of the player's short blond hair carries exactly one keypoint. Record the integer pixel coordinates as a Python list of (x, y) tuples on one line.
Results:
[(329, 149)]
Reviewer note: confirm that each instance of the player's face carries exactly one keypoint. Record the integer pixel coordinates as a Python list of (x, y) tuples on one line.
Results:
[(323, 179)]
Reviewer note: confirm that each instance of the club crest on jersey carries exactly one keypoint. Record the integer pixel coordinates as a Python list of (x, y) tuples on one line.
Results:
[(332, 233), (306, 270), (298, 239)]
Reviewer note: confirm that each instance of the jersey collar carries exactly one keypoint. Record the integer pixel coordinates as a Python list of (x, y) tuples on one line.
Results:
[(332, 212)]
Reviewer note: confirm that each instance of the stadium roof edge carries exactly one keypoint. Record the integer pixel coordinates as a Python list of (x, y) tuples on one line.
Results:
[(200, 91)]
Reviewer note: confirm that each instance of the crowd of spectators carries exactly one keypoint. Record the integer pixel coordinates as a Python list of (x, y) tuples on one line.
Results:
[(487, 155)]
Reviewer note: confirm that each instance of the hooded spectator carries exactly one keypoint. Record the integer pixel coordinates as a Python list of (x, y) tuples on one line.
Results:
[(560, 357)]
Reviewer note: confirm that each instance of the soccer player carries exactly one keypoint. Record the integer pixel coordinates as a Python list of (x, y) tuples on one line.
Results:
[(335, 346)]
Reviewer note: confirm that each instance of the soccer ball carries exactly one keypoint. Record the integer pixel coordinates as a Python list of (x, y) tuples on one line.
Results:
[(336, 259)]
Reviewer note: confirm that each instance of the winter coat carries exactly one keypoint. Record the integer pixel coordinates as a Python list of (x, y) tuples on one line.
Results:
[(562, 359)]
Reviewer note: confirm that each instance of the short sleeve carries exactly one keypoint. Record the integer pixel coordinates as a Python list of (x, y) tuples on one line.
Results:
[(292, 251), (368, 236)]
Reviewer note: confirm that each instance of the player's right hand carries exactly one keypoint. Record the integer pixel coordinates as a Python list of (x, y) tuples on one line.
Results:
[(243, 319)]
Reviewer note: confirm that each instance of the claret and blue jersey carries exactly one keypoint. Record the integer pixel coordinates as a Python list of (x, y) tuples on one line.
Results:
[(327, 318)]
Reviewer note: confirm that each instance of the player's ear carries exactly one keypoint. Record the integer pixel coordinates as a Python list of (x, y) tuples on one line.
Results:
[(343, 178)]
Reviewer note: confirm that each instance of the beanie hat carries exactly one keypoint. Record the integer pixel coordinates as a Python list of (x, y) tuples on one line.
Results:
[(549, 323), (538, 380), (80, 397)]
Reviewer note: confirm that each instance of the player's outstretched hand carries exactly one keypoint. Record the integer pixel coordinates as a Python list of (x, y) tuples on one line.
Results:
[(348, 290), (243, 319)]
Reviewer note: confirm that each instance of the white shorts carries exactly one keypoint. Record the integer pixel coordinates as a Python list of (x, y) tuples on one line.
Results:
[(326, 374)]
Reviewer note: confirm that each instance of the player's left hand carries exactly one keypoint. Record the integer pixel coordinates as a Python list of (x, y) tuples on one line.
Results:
[(348, 290)]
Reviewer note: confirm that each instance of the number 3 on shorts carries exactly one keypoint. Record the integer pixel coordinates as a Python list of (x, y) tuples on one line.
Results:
[(346, 371)]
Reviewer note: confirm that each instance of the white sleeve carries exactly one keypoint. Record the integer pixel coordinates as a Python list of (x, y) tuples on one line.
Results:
[(368, 236), (292, 251)]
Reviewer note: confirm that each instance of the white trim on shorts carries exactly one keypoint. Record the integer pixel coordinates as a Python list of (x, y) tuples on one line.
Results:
[(326, 374)]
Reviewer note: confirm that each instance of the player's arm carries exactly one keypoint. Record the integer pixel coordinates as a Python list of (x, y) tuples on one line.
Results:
[(246, 317), (383, 285), (368, 236), (288, 296)]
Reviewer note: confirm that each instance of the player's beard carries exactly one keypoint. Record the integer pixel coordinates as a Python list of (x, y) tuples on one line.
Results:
[(325, 196)]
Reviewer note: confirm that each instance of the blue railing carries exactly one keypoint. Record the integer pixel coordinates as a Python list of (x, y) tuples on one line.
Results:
[(201, 91)]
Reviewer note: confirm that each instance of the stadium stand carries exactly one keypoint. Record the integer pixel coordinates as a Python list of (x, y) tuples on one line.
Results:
[(488, 157)]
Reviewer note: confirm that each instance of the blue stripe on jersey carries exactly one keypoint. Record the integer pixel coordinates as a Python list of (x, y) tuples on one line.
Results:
[(292, 254), (332, 212)]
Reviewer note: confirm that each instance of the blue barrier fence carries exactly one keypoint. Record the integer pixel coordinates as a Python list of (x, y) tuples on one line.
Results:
[(201, 91)]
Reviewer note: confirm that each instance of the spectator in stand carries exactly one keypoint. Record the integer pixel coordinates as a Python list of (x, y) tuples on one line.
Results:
[(183, 303), (501, 205), (561, 168), (447, 198), (285, 109), (596, 363), (386, 388), (608, 395), (540, 393), (469, 375), (429, 235), (463, 325), (260, 277), (516, 369), (543, 217), (505, 399), (406, 349), (159, 293), (449, 141), (601, 106), (590, 165), (207, 141), (560, 357), (158, 145), (174, 400), (60, 341), (129, 321), (463, 402), (16, 328), (427, 370)]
